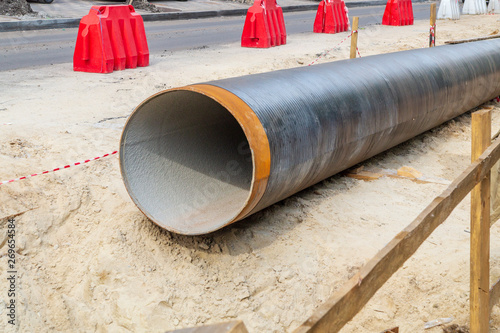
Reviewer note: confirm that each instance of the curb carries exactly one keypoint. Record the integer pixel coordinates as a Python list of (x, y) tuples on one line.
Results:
[(74, 22)]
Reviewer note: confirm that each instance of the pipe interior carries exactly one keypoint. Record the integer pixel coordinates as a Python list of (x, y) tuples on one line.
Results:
[(186, 162)]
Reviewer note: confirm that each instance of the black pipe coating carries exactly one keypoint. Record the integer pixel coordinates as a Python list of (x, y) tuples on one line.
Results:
[(197, 158)]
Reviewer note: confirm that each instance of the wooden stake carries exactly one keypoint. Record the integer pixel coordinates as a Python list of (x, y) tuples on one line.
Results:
[(432, 35), (354, 37), (480, 229)]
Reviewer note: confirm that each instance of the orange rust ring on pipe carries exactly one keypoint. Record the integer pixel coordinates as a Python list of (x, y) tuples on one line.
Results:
[(258, 145), (255, 134)]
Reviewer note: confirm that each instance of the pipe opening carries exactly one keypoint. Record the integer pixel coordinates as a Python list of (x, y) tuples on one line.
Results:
[(186, 162)]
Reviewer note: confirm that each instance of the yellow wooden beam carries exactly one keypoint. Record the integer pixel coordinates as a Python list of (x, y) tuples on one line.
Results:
[(480, 230)]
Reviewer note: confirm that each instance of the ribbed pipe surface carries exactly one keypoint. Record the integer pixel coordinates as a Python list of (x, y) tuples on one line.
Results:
[(197, 158)]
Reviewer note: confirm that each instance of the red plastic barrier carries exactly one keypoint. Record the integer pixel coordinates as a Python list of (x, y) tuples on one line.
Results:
[(398, 12), (331, 17), (264, 25), (110, 38)]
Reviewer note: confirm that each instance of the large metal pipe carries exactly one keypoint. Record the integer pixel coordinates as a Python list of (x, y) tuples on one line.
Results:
[(197, 158)]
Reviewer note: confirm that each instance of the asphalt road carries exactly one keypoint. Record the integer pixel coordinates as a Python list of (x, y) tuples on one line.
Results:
[(23, 49)]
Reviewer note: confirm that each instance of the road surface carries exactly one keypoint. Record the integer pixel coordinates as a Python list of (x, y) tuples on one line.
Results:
[(23, 49)]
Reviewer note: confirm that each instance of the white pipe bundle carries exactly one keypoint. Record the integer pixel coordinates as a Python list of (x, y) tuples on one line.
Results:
[(494, 7), (474, 7), (449, 9)]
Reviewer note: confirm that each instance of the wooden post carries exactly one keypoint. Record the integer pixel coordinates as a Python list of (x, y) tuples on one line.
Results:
[(432, 35), (480, 230), (354, 37)]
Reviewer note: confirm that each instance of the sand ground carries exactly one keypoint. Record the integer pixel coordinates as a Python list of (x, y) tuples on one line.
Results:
[(88, 260)]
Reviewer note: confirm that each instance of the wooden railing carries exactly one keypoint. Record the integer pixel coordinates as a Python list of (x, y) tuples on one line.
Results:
[(350, 299)]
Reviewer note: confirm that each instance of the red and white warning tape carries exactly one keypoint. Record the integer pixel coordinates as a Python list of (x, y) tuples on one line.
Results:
[(359, 54), (432, 36), (328, 51), (60, 168)]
